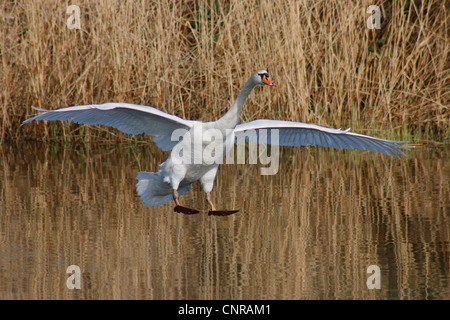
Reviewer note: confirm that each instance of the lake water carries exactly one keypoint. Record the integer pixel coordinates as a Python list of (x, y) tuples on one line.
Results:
[(309, 232)]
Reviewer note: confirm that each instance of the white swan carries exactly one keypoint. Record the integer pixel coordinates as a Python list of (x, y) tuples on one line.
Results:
[(175, 178)]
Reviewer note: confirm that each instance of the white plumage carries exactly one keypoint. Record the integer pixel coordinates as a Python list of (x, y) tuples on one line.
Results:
[(175, 178)]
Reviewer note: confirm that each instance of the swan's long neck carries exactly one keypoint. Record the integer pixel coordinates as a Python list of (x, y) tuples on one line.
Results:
[(231, 118)]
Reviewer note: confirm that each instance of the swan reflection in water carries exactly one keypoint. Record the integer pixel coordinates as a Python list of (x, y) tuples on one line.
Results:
[(187, 162)]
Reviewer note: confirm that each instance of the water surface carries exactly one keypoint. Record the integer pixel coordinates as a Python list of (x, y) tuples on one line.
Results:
[(308, 232)]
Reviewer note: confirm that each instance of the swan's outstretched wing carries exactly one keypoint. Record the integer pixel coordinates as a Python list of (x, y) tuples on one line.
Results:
[(300, 134), (126, 117)]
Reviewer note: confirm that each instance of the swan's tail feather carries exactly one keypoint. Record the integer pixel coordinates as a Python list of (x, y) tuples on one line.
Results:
[(153, 190)]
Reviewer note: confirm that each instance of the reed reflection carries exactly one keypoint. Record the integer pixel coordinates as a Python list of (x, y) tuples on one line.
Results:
[(309, 232)]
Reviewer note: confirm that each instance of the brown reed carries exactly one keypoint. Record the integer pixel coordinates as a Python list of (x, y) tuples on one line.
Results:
[(190, 58)]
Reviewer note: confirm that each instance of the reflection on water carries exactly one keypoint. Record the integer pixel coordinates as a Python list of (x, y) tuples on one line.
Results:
[(309, 232)]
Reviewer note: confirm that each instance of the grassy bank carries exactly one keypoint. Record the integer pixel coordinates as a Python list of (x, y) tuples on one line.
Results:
[(190, 58)]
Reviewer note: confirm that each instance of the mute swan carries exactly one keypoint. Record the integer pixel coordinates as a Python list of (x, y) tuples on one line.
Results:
[(175, 178)]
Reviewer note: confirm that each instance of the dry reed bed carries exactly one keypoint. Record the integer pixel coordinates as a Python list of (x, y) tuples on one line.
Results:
[(190, 58)]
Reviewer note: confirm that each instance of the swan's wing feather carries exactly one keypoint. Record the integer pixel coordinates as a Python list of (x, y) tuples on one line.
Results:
[(296, 134), (126, 117)]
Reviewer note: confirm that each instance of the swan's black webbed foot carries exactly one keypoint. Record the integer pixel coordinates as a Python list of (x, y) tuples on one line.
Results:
[(185, 210)]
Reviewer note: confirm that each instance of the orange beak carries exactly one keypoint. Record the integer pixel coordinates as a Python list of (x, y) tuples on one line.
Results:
[(267, 81)]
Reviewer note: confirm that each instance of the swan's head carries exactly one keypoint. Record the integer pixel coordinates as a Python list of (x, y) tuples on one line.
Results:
[(262, 77)]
